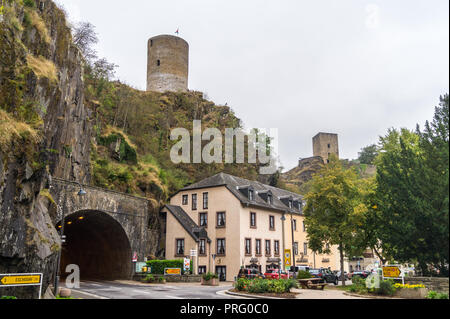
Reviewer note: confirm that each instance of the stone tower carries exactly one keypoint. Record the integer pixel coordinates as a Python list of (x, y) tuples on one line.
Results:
[(168, 64), (325, 144)]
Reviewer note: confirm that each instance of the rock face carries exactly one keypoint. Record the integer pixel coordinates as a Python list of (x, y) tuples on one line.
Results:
[(48, 96)]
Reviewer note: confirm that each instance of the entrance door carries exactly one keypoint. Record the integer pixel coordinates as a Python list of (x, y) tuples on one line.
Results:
[(221, 271)]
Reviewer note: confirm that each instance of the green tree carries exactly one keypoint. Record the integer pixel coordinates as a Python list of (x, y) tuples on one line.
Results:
[(334, 210), (368, 154), (412, 193)]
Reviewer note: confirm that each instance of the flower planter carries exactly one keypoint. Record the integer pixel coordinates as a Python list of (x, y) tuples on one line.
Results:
[(211, 282), (411, 293)]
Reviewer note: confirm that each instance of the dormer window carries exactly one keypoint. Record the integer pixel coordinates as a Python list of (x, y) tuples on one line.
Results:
[(290, 204), (251, 194), (270, 199)]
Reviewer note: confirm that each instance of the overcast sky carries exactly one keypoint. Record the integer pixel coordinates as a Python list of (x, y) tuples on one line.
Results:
[(355, 67)]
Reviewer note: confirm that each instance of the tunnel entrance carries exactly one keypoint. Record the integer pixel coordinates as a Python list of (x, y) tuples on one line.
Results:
[(98, 244)]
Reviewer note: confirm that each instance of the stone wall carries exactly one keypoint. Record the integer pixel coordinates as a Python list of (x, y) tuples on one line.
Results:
[(438, 284)]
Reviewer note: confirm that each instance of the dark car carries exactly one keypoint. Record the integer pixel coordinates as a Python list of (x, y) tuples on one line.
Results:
[(250, 273), (338, 274), (327, 275), (362, 274)]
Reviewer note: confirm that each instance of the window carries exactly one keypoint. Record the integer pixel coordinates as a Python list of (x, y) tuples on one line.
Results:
[(248, 246), (180, 247), (251, 194), (268, 248), (202, 247), (205, 200), (258, 247), (294, 224), (221, 247), (272, 222), (221, 219), (296, 248), (276, 247), (151, 43), (305, 249), (185, 199), (270, 198), (252, 220), (329, 145), (304, 227), (290, 204), (221, 271), (158, 63), (203, 220), (194, 201), (201, 270)]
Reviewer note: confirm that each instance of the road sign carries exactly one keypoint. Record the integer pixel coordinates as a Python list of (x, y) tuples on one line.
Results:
[(19, 280), (172, 271), (391, 271), (135, 259), (287, 258), (193, 253)]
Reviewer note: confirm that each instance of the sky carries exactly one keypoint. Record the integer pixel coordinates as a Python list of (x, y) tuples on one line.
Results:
[(355, 68)]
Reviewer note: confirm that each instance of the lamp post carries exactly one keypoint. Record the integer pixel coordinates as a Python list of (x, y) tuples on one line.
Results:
[(80, 193), (283, 219), (293, 245)]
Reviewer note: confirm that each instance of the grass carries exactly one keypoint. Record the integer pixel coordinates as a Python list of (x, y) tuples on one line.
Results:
[(12, 130), (37, 22), (42, 67)]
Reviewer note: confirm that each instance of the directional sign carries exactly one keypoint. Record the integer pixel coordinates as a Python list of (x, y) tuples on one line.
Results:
[(18, 280), (172, 271), (15, 280), (287, 258), (391, 271)]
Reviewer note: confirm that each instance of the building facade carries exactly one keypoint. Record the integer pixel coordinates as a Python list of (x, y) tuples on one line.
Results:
[(233, 222)]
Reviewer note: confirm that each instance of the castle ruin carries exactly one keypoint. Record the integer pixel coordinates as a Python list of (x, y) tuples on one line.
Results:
[(167, 64)]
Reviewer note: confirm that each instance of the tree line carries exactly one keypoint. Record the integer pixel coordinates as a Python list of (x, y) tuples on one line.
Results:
[(401, 213)]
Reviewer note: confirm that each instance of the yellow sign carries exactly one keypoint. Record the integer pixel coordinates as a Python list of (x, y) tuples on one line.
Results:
[(172, 271), (391, 272), (21, 280), (287, 258)]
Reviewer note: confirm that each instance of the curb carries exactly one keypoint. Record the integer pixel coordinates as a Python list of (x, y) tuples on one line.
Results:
[(250, 296)]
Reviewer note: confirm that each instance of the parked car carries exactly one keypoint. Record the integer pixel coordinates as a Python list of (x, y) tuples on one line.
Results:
[(327, 275), (360, 273), (338, 274), (275, 274), (250, 273)]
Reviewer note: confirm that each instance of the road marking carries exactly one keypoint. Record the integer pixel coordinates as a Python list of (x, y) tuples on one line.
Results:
[(173, 297)]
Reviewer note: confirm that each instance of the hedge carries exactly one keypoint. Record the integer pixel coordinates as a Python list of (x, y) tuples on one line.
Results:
[(158, 266)]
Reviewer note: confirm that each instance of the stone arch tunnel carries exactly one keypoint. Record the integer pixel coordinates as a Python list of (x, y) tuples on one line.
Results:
[(103, 230)]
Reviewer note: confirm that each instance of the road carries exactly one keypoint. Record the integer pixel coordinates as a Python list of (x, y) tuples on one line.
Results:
[(135, 290)]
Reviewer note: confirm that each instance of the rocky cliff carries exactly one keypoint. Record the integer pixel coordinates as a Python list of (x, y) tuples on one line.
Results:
[(44, 130)]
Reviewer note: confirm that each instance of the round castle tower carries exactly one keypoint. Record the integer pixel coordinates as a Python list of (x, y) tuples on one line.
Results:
[(168, 64)]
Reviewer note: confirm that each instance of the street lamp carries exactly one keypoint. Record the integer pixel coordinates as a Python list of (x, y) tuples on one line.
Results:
[(80, 193)]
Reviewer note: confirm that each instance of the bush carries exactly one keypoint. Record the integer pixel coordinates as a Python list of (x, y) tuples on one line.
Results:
[(241, 284), (265, 285), (435, 295), (358, 285), (303, 274), (209, 275), (29, 3), (387, 288), (158, 266)]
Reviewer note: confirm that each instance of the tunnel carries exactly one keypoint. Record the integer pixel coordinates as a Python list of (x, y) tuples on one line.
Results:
[(98, 244)]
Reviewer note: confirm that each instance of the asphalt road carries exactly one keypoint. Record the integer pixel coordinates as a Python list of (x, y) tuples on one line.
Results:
[(130, 290)]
